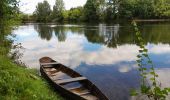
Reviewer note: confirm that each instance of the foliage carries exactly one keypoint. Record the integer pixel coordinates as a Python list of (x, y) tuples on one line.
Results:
[(100, 10), (18, 83), (27, 17), (43, 11), (162, 9), (75, 14), (144, 8), (126, 9), (147, 71), (58, 9), (90, 10), (8, 11)]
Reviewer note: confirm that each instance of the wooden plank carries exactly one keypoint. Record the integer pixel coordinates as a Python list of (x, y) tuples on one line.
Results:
[(49, 69), (55, 79), (53, 63), (84, 93), (73, 87), (89, 97), (53, 74), (71, 80)]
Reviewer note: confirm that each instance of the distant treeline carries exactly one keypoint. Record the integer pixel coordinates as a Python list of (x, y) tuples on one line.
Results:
[(102, 10)]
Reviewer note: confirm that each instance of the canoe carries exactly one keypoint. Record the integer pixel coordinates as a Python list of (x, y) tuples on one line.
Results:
[(68, 82)]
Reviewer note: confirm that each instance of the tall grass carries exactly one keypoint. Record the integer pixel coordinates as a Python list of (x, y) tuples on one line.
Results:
[(18, 83)]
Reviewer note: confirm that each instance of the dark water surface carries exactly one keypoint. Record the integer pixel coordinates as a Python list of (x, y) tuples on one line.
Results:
[(104, 53)]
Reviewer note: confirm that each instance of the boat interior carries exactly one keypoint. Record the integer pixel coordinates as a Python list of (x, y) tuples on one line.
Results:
[(70, 80)]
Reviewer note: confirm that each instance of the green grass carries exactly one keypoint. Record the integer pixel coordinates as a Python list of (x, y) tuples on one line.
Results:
[(19, 83)]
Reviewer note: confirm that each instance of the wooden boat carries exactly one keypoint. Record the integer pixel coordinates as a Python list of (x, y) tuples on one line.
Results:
[(69, 83)]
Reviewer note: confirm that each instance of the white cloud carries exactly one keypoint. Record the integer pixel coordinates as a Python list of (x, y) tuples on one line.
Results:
[(23, 33), (71, 52), (28, 6), (160, 48)]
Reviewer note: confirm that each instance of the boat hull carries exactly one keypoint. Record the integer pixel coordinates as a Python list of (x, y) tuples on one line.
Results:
[(66, 93)]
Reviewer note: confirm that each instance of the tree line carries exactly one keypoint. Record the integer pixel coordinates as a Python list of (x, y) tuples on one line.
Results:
[(103, 10)]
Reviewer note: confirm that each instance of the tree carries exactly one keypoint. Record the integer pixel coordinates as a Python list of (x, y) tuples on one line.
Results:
[(126, 9), (8, 8), (144, 9), (91, 10), (58, 10), (162, 8), (75, 14), (9, 13), (43, 11), (101, 10)]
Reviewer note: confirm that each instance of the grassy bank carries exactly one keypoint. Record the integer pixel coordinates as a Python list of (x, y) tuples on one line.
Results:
[(18, 83)]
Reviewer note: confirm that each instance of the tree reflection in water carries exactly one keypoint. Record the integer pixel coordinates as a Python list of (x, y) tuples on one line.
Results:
[(44, 31), (60, 33), (111, 36)]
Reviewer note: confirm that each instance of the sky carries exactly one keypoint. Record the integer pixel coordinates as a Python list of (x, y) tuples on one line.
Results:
[(28, 6)]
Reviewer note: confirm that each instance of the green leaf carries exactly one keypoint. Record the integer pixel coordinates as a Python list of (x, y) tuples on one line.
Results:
[(152, 79), (150, 62), (139, 56), (145, 50), (139, 38), (133, 92), (152, 68), (140, 51), (152, 73), (144, 73), (142, 46), (144, 68), (154, 83), (165, 92), (146, 55), (145, 89), (139, 65), (141, 43), (138, 61), (140, 69), (156, 75)]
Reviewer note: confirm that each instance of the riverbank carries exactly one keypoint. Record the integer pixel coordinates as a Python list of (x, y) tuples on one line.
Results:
[(151, 20), (19, 83)]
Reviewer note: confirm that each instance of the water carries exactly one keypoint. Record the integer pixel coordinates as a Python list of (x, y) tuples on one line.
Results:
[(104, 53)]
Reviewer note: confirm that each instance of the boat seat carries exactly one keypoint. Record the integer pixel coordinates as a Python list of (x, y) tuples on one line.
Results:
[(89, 97), (84, 93), (50, 69), (71, 80), (53, 63), (72, 88)]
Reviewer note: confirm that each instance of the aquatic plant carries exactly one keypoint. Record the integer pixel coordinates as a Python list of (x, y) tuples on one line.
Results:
[(152, 89)]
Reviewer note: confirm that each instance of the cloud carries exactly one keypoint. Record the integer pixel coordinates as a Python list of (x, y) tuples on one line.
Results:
[(159, 49), (71, 52), (164, 77)]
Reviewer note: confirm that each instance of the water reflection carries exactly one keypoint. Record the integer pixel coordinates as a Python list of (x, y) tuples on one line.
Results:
[(43, 31), (110, 36), (104, 53), (60, 33)]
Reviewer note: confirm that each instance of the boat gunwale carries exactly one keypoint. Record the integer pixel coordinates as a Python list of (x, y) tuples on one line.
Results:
[(91, 86)]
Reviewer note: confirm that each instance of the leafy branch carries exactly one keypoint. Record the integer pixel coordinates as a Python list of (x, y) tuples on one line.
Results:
[(153, 91)]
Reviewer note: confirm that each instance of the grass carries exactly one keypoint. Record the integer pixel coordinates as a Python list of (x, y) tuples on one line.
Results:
[(19, 83)]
